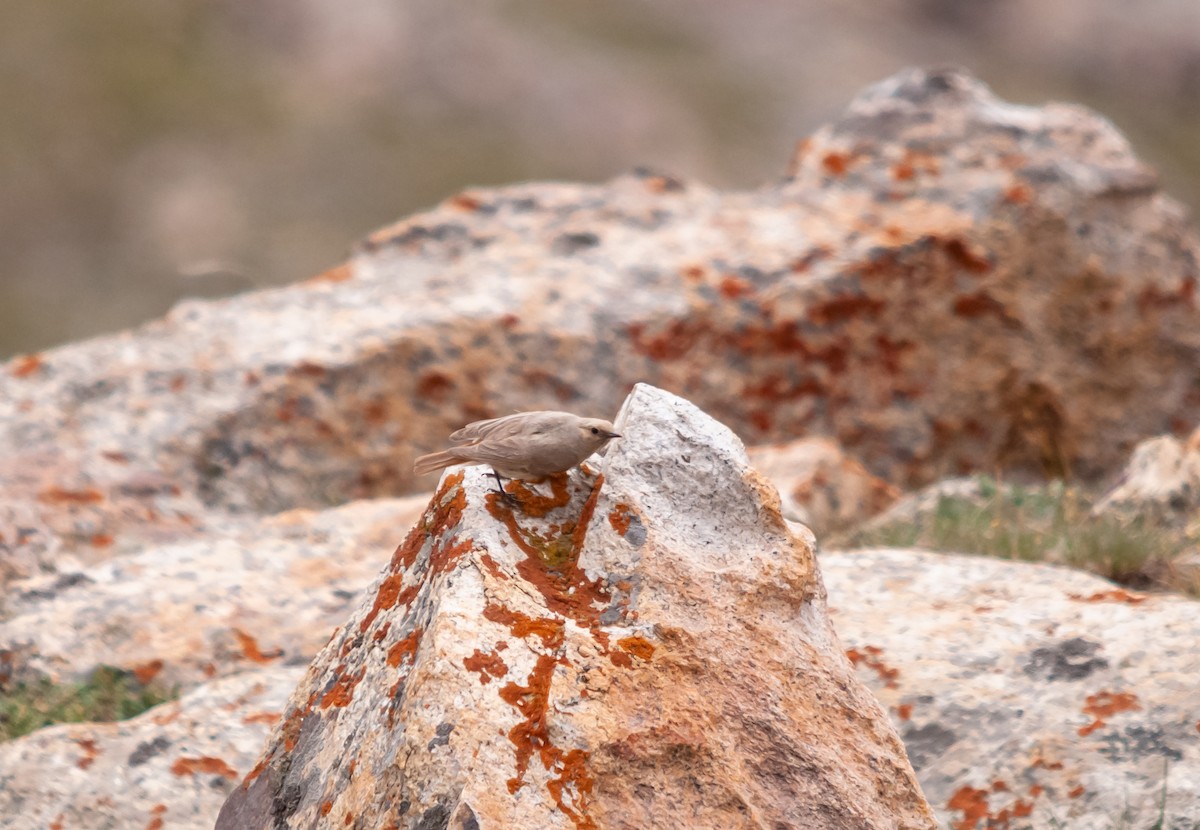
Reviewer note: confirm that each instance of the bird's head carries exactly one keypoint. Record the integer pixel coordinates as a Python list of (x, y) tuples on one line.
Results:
[(596, 432)]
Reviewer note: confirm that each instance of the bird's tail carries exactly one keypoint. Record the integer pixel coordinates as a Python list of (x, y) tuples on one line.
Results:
[(435, 461)]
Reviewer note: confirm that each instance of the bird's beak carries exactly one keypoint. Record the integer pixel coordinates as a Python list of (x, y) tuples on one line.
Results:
[(613, 434)]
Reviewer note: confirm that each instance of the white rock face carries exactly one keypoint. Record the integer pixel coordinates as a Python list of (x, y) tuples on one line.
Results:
[(1028, 694), (644, 647), (264, 592), (168, 768), (1161, 480)]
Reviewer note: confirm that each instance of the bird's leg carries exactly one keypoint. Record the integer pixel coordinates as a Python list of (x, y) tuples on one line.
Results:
[(508, 497)]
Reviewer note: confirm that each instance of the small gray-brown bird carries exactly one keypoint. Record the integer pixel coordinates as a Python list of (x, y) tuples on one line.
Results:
[(527, 445)]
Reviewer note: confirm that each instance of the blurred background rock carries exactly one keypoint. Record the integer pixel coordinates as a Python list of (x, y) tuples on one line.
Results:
[(151, 151)]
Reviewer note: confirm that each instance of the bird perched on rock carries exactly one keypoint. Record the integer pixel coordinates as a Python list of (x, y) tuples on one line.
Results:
[(527, 445)]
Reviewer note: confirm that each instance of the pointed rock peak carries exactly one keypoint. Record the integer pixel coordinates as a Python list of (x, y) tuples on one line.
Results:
[(597, 650)]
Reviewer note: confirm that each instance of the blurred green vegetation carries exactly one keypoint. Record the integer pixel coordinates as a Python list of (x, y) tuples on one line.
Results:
[(109, 694), (1043, 523)]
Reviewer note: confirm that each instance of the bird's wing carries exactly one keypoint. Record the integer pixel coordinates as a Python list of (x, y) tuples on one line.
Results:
[(498, 452), (479, 430), (503, 427)]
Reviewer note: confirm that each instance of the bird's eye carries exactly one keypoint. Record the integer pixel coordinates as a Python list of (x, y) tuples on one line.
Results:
[(595, 431)]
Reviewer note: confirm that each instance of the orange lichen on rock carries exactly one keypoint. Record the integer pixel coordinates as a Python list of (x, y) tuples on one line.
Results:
[(973, 804), (251, 651), (343, 689), (639, 647), (548, 629), (262, 717), (870, 657), (904, 711), (58, 495), (539, 506), (572, 788), (339, 273), (1076, 792), (489, 665), (406, 647), (732, 287), (1104, 705), (26, 365), (156, 817), (621, 517), (493, 568), (835, 163), (145, 672), (205, 764), (89, 752), (1115, 595), (531, 700)]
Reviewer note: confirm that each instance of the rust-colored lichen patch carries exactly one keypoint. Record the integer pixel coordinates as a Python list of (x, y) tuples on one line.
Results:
[(89, 752), (405, 647), (268, 718), (1042, 763), (145, 672), (257, 771), (973, 804), (573, 785), (25, 365), (621, 517), (156, 817), (252, 652), (840, 309), (836, 163), (639, 647), (489, 665), (1115, 595), (550, 630), (530, 700), (870, 656), (536, 505), (1075, 792), (204, 765), (326, 808), (102, 540), (342, 692), (435, 386), (385, 598), (904, 711), (732, 287), (59, 495), (1104, 705), (493, 568), (980, 304), (464, 201), (339, 273)]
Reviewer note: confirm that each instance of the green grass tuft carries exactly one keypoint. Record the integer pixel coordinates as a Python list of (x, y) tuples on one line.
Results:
[(1047, 523), (108, 695)]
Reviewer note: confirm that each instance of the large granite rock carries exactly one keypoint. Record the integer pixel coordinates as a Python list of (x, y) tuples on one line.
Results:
[(642, 646), (944, 282), (1028, 695), (181, 613), (168, 768)]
